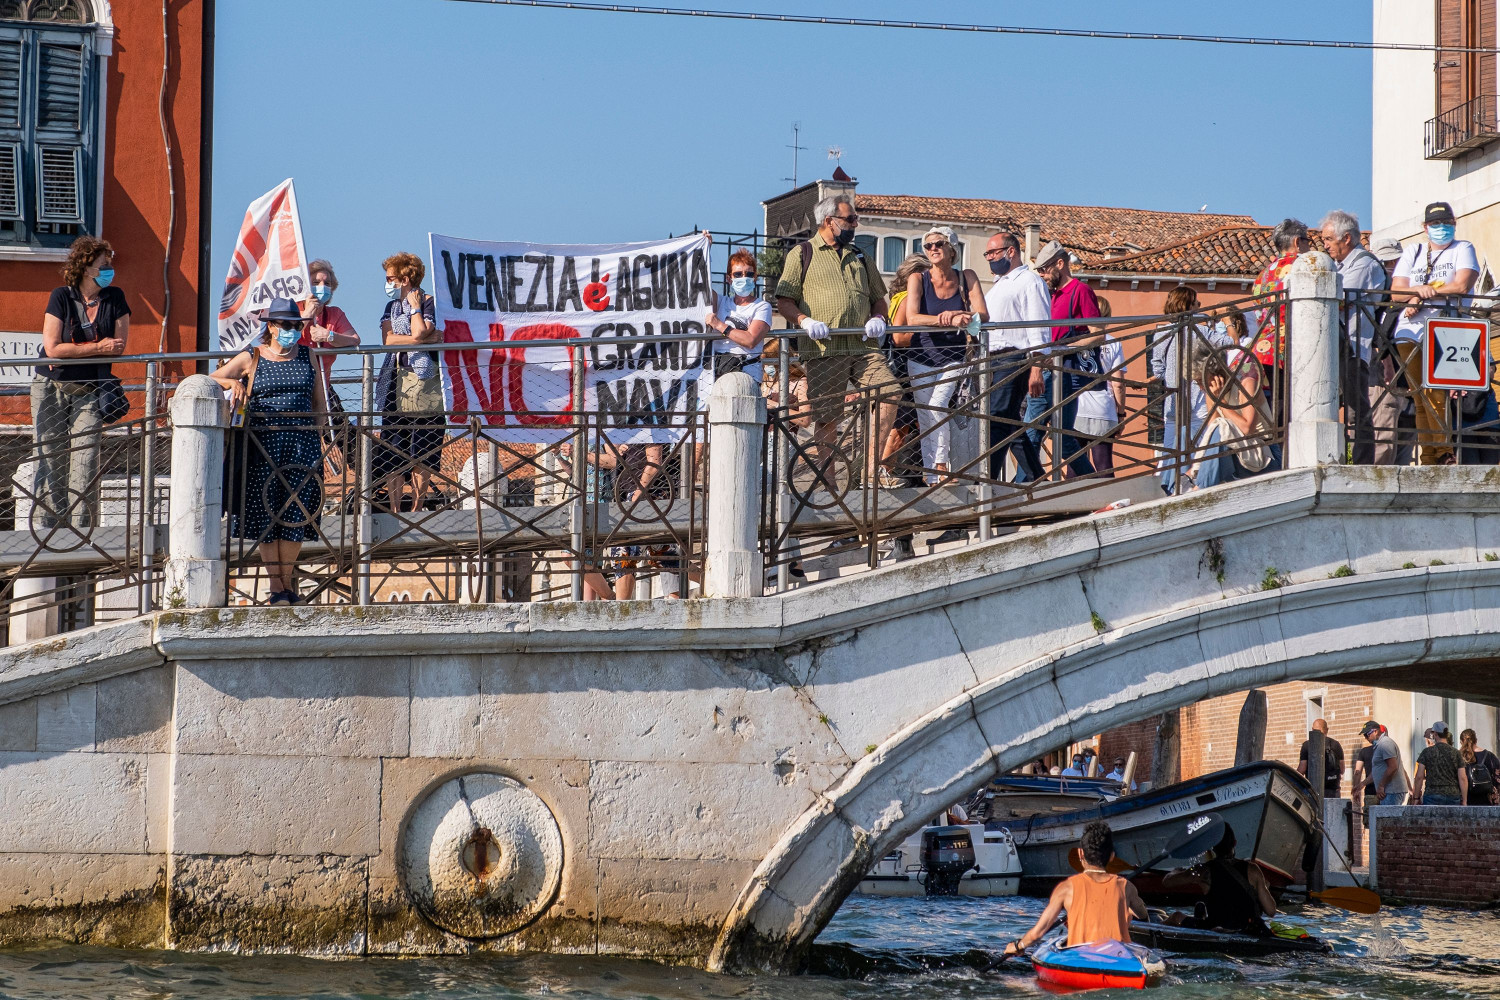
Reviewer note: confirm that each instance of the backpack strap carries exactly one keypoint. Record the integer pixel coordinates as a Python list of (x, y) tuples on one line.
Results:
[(805, 249)]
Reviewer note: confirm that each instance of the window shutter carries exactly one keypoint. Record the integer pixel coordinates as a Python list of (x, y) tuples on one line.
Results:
[(1487, 83), (10, 181), (10, 83), (59, 87), (58, 182), (1450, 65)]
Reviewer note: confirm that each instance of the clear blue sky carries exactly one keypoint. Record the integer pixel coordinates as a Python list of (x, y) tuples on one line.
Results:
[(400, 117)]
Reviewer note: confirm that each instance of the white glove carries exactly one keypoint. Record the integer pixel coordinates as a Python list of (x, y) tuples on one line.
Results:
[(874, 328), (816, 329)]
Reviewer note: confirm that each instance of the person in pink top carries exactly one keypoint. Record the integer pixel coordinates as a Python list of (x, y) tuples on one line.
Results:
[(1071, 299), (327, 326)]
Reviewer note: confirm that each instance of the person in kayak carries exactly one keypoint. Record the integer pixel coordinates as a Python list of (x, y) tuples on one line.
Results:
[(1099, 905), (1238, 897)]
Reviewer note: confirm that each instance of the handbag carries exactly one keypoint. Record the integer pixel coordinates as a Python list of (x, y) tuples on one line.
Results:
[(109, 391)]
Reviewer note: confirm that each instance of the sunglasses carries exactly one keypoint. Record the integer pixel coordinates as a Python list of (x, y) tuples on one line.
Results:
[(742, 274), (934, 246)]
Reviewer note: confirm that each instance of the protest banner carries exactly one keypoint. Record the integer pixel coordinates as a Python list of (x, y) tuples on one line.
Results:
[(517, 294), (268, 263)]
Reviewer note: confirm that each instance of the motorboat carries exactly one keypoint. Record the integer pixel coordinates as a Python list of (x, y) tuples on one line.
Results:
[(947, 860), (1267, 804)]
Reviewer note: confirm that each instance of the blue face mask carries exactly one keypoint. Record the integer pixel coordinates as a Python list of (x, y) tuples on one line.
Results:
[(106, 275), (322, 293), (1000, 266), (286, 336), (743, 287), (392, 290), (1440, 233)]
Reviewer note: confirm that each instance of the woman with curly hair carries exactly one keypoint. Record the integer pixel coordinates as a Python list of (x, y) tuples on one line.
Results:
[(409, 390), (86, 318)]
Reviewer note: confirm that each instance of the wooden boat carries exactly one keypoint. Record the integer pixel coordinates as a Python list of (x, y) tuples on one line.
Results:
[(1268, 805)]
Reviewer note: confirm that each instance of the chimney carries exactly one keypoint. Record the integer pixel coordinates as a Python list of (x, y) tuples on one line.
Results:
[(1033, 239)]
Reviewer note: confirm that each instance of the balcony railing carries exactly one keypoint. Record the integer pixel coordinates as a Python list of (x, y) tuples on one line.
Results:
[(1468, 126)]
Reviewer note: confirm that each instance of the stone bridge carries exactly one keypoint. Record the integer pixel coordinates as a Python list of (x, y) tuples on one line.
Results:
[(699, 781)]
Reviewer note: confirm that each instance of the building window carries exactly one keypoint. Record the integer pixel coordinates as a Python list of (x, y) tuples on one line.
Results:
[(894, 248), (49, 92), (865, 245)]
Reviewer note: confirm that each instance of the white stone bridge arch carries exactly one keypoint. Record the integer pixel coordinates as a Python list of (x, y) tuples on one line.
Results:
[(721, 776)]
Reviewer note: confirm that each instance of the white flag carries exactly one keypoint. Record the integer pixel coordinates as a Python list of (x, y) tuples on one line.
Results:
[(268, 263)]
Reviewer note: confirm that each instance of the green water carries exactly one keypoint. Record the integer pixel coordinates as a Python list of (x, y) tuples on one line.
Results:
[(1414, 952)]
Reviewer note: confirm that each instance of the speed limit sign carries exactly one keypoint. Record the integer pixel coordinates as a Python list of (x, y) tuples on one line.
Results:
[(1456, 354)]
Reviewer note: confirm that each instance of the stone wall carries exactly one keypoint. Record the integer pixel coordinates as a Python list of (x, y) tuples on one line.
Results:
[(1447, 855)]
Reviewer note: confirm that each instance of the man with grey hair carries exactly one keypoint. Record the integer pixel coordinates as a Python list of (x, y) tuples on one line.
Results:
[(827, 284), (1369, 407), (1289, 239)]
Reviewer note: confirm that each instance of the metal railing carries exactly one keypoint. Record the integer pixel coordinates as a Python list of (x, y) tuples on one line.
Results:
[(872, 479), (590, 495), (1456, 131), (1389, 418)]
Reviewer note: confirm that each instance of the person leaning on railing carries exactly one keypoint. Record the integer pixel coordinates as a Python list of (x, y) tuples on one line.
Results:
[(409, 389), (1018, 295), (287, 414), (828, 284), (328, 328), (1171, 367), (943, 300), (1239, 430), (87, 317)]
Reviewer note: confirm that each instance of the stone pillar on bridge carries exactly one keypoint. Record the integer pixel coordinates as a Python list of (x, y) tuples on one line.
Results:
[(1315, 435), (737, 421), (195, 546)]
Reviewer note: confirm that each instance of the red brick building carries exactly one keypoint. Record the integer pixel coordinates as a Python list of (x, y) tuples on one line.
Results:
[(105, 111)]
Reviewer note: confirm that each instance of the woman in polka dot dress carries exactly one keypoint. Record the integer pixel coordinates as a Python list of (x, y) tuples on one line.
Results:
[(287, 415)]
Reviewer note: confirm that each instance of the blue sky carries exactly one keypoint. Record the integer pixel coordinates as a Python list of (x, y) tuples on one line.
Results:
[(400, 117)]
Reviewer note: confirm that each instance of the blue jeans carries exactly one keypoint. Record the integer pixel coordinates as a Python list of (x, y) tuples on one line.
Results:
[(1440, 800), (1227, 468), (1039, 414), (1007, 398), (1394, 798)]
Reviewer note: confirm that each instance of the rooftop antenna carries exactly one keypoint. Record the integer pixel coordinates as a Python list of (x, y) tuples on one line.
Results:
[(836, 153), (795, 147)]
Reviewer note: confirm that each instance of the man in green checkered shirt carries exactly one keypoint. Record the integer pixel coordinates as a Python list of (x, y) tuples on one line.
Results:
[(839, 289)]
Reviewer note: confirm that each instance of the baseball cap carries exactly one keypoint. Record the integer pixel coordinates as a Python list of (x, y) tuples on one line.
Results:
[(1050, 254), (1369, 727), (1438, 211), (1386, 249), (1439, 728)]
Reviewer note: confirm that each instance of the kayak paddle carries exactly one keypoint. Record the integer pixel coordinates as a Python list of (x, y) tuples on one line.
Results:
[(1349, 897)]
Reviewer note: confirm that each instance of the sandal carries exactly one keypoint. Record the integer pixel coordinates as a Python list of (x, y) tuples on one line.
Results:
[(281, 599)]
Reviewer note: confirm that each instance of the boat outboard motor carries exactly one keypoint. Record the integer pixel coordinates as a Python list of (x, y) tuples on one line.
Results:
[(947, 852)]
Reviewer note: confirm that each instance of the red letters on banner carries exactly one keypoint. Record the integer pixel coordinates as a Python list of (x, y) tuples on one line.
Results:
[(506, 374)]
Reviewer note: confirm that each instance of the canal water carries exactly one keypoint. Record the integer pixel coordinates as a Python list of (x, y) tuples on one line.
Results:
[(874, 948)]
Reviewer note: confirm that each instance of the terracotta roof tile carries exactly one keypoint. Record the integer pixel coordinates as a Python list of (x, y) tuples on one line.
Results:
[(1231, 252), (1089, 231)]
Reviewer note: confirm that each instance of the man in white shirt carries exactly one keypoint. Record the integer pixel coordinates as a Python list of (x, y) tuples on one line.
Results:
[(1368, 404), (1118, 774), (1433, 275), (1076, 769), (1019, 295)]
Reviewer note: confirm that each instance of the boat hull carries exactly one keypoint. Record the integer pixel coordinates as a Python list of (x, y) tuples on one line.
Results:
[(1268, 805), (997, 870), (1192, 941)]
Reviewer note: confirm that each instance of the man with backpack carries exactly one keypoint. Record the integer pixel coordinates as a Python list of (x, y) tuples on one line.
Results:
[(1363, 385), (1333, 760), (828, 284)]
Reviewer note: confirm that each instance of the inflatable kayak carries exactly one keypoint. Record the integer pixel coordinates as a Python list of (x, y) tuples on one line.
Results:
[(1104, 964)]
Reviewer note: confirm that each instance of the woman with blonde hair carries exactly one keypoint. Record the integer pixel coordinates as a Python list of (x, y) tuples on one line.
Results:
[(946, 299), (898, 347)]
